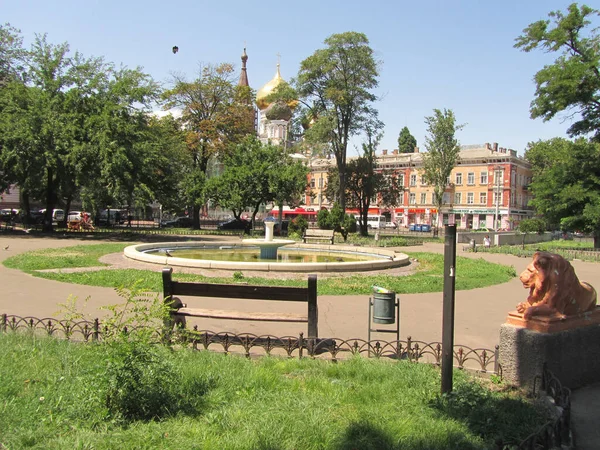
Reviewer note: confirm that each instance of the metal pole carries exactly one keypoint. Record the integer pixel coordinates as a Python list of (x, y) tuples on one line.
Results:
[(497, 174), (448, 308)]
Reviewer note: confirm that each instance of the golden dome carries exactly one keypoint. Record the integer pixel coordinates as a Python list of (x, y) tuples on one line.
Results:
[(268, 89)]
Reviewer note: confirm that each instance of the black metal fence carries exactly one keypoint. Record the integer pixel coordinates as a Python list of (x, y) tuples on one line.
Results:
[(481, 360)]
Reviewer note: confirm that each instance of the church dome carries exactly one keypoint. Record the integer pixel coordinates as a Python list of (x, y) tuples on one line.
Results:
[(268, 89)]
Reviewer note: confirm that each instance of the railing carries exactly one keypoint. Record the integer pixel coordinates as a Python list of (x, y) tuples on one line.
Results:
[(481, 360), (557, 432)]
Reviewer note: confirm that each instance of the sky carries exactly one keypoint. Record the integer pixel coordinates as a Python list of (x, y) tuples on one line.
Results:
[(453, 54)]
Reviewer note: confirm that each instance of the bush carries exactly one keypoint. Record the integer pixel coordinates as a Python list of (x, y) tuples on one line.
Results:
[(298, 225), (141, 384)]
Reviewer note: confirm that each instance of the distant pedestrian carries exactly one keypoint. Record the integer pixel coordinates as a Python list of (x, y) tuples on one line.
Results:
[(486, 241)]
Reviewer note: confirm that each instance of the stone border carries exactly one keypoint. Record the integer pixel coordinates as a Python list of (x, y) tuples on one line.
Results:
[(393, 258)]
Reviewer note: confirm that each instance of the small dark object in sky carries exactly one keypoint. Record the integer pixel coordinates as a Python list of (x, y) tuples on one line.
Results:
[(175, 49)]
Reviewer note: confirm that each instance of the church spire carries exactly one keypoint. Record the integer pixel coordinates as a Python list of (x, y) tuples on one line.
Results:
[(244, 75)]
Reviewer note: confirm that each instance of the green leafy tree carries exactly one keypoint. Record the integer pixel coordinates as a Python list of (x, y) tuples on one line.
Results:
[(245, 180), (533, 225), (336, 82), (442, 152), (216, 114), (12, 54), (336, 219), (365, 183), (566, 184), (287, 183), (406, 141), (572, 82)]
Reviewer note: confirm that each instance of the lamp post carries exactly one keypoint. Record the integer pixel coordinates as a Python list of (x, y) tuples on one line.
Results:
[(498, 176)]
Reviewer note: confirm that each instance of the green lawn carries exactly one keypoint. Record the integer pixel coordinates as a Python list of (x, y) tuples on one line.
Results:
[(470, 274), (57, 394)]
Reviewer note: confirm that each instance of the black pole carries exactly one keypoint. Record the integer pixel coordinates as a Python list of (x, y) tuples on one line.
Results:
[(448, 315)]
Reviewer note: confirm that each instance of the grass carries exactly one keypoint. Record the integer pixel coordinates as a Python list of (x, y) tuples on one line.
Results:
[(583, 250), (53, 395), (470, 274)]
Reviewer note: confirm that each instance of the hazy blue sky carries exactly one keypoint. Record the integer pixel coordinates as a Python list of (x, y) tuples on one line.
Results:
[(435, 54)]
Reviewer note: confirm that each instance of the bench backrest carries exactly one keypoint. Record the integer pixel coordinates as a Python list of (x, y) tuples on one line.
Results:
[(236, 291), (317, 232)]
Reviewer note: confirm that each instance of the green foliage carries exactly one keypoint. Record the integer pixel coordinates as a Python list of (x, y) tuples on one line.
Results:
[(406, 141), (442, 151), (238, 276), (142, 383), (298, 225), (364, 183), (336, 82), (533, 225), (566, 184), (572, 82), (335, 219)]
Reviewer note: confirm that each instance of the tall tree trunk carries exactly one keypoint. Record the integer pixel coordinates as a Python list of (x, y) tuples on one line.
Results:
[(196, 216), (50, 201), (597, 239)]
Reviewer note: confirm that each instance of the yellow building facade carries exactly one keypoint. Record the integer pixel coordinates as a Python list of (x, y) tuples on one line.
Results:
[(488, 188)]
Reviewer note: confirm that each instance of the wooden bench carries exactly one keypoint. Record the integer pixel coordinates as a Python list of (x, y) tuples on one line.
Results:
[(287, 294), (317, 235)]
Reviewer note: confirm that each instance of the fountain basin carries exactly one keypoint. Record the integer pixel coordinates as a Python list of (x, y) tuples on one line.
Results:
[(268, 248), (379, 258)]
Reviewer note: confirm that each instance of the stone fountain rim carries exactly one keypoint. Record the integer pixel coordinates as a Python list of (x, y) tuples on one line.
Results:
[(392, 258)]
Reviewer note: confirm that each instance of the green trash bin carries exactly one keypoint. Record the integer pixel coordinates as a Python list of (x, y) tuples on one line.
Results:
[(384, 307)]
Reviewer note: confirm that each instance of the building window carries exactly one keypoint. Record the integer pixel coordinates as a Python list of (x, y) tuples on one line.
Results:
[(448, 181), (459, 179), (445, 198), (470, 196), (497, 198), (422, 181), (471, 178), (457, 198), (401, 179), (423, 198), (321, 182), (483, 198), (413, 180), (412, 199), (433, 198), (312, 183), (483, 178)]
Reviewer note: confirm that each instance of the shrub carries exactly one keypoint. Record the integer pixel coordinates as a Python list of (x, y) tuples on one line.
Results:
[(140, 383), (298, 225)]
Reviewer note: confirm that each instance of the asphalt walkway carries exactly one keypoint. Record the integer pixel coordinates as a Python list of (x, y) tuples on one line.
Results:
[(479, 312)]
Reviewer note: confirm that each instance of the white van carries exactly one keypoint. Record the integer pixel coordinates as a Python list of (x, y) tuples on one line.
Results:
[(374, 221), (58, 215)]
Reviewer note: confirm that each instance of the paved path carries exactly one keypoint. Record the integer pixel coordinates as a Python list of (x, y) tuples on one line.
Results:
[(479, 312)]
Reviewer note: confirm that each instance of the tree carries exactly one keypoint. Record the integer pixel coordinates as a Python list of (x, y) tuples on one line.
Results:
[(245, 180), (364, 183), (76, 122), (12, 54), (216, 114), (572, 82), (287, 183), (406, 141), (442, 152), (533, 225), (566, 184), (337, 82), (337, 220)]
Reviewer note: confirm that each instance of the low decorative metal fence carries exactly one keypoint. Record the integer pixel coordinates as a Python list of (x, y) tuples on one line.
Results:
[(481, 360)]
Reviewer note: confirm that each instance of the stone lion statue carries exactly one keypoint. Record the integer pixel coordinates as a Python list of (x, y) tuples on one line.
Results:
[(554, 289)]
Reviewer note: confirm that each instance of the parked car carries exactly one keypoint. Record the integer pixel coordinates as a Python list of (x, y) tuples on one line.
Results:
[(178, 222), (389, 224), (235, 224), (75, 216), (8, 215)]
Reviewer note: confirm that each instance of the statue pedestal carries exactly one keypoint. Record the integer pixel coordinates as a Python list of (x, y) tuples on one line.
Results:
[(552, 324), (570, 347)]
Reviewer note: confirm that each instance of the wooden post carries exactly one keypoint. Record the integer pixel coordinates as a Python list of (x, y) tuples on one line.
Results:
[(313, 312), (448, 308)]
